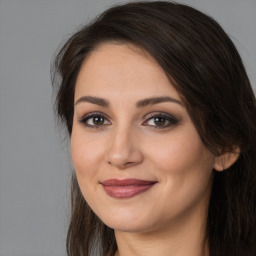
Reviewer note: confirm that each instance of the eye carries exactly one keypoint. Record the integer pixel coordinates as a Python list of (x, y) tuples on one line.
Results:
[(94, 120), (160, 120)]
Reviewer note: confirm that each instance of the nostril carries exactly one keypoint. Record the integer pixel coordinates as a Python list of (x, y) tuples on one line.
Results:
[(121, 165), (123, 157), (128, 163)]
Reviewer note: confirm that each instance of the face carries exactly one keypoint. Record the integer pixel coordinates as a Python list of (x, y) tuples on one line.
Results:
[(139, 160)]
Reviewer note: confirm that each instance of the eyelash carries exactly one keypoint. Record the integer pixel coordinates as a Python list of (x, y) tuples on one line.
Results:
[(92, 115), (167, 118)]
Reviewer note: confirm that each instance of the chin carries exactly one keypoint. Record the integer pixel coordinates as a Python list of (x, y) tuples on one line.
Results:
[(128, 227), (127, 222)]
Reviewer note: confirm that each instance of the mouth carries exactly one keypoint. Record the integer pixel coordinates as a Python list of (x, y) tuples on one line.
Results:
[(126, 188)]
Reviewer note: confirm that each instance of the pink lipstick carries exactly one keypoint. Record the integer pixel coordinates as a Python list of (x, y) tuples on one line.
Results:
[(126, 188)]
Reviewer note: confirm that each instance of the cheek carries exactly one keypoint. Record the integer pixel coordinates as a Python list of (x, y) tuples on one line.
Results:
[(86, 153), (184, 168), (182, 160), (183, 149)]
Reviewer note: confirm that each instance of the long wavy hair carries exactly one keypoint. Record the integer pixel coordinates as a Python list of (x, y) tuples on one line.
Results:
[(205, 68)]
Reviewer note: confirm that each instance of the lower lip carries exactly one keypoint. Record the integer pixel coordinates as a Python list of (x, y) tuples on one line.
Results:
[(126, 191)]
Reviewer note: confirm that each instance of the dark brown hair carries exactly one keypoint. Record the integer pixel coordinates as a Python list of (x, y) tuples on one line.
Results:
[(205, 68)]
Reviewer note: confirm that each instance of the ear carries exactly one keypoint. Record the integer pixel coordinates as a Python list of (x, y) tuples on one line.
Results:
[(226, 159)]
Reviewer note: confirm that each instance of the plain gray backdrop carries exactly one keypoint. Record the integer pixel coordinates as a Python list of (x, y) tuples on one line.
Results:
[(34, 162)]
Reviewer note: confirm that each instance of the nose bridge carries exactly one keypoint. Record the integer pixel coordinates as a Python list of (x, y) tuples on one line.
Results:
[(123, 149), (121, 136)]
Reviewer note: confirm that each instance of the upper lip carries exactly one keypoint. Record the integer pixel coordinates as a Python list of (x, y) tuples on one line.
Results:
[(127, 182)]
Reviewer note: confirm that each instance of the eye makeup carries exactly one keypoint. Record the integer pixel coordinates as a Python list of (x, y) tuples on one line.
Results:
[(161, 120), (95, 120), (155, 120)]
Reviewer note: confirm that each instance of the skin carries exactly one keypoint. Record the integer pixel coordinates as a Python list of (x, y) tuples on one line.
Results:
[(169, 218)]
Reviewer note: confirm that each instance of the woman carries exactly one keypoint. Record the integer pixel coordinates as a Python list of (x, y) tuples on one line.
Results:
[(161, 116)]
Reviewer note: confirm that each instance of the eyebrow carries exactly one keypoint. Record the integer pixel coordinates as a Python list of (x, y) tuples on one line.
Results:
[(140, 104), (156, 100), (94, 100)]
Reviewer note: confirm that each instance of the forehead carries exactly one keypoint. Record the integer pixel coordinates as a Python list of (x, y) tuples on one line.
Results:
[(122, 69)]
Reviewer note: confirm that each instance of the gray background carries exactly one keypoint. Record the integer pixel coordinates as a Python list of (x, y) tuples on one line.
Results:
[(34, 161)]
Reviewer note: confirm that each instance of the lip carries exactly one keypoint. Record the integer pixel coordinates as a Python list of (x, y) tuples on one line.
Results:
[(126, 188)]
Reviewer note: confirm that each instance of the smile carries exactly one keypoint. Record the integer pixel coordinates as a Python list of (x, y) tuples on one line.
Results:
[(126, 188)]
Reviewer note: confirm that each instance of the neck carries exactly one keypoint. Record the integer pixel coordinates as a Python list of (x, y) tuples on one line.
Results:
[(183, 237)]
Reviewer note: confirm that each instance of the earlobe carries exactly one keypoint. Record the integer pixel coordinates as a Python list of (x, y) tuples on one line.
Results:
[(226, 159)]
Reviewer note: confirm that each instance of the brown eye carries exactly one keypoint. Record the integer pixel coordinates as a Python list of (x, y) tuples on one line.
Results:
[(98, 120), (94, 120), (160, 121)]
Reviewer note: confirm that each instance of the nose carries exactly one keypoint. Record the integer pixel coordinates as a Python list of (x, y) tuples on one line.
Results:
[(124, 150)]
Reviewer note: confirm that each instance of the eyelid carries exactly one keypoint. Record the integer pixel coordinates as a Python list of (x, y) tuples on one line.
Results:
[(91, 114), (86, 117), (160, 113), (156, 113), (170, 118)]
